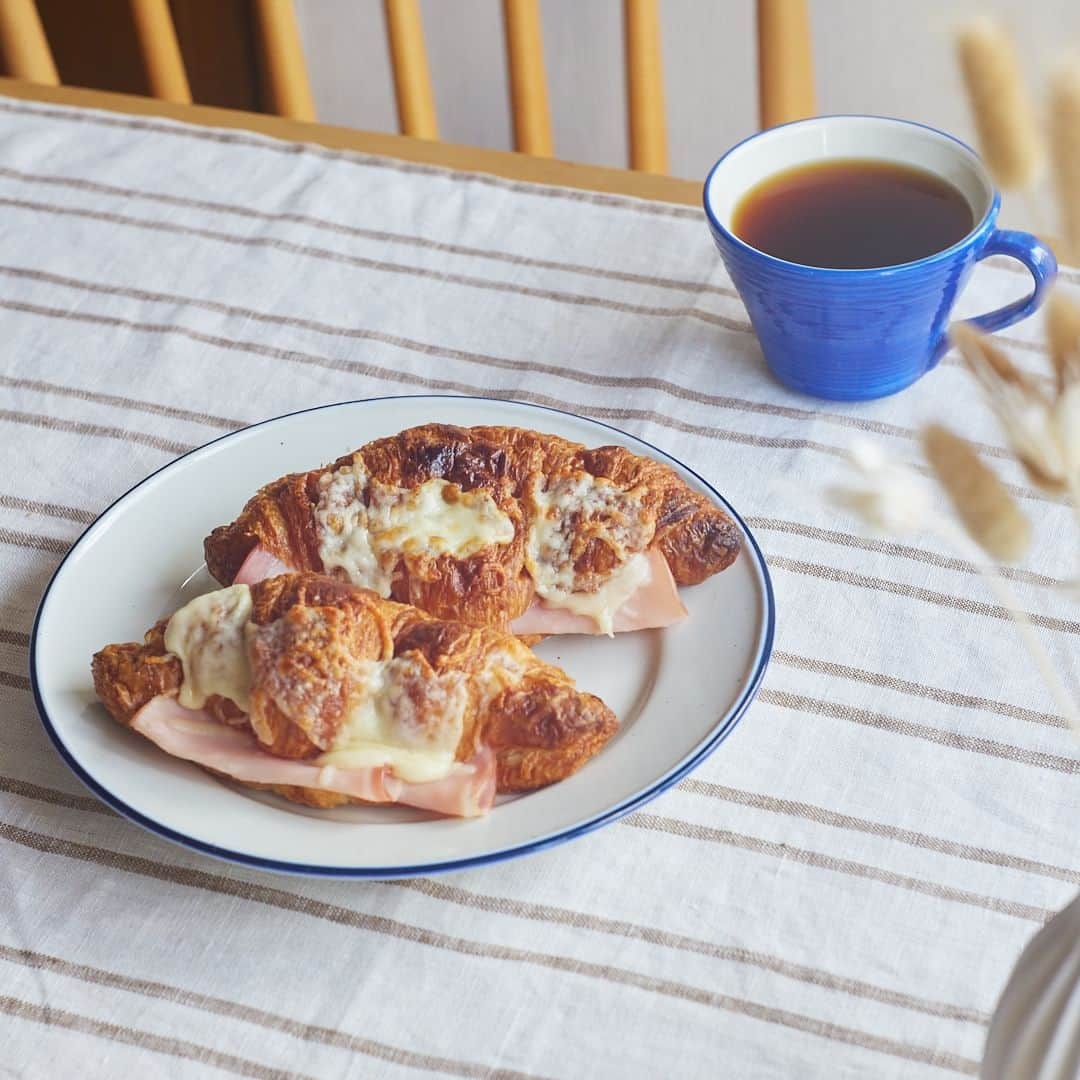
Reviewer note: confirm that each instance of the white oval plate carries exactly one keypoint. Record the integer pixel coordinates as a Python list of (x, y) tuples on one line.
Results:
[(678, 692)]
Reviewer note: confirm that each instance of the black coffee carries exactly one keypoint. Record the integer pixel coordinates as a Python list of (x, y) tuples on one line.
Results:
[(852, 215)]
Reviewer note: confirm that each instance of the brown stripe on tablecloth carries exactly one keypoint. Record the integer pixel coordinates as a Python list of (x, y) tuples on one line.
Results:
[(736, 325), (51, 1016), (15, 682), (55, 510), (14, 637), (903, 551), (692, 831), (354, 332), (620, 928), (588, 378), (514, 393), (78, 427), (973, 743), (427, 383), (52, 544), (656, 936), (424, 242), (151, 407), (53, 797), (282, 900), (914, 689), (646, 207), (363, 262), (503, 905), (632, 203), (313, 1033), (916, 592), (623, 202), (424, 382), (637, 205), (726, 322), (791, 808), (380, 235)]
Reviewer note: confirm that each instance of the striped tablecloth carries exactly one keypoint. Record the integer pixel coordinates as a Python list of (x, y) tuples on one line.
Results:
[(841, 891)]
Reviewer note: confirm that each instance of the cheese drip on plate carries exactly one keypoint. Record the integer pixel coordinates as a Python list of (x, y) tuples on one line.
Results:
[(364, 526)]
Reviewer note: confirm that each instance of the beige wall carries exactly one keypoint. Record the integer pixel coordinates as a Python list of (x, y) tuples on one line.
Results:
[(882, 56)]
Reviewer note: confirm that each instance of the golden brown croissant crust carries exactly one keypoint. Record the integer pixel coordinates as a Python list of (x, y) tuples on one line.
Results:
[(492, 586), (540, 727)]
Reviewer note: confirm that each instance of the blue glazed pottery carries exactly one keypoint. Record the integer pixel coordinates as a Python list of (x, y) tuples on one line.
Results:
[(853, 335)]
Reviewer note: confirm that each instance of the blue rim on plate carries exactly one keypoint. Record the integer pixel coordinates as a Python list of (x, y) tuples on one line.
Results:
[(724, 728)]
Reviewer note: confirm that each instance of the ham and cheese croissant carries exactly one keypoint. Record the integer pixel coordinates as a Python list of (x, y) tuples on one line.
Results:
[(327, 693), (493, 526)]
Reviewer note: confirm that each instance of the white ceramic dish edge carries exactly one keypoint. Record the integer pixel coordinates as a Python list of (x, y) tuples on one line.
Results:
[(721, 730)]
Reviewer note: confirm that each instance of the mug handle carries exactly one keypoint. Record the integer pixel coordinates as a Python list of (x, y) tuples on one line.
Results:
[(1040, 263)]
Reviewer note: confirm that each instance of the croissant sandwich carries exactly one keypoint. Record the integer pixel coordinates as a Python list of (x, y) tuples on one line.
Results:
[(327, 693), (492, 526)]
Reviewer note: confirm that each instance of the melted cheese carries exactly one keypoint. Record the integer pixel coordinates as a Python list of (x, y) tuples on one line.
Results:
[(436, 518), (341, 525), (364, 526), (412, 766), (402, 716), (208, 637), (502, 669), (602, 604), (614, 516)]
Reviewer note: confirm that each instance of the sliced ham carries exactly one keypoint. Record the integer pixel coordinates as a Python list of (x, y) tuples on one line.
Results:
[(459, 794), (259, 565), (655, 604), (192, 734)]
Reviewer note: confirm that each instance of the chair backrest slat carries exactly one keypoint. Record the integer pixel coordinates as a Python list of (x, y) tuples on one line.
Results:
[(528, 77), (785, 62), (285, 73), (165, 71), (785, 66), (645, 86), (412, 78), (22, 39)]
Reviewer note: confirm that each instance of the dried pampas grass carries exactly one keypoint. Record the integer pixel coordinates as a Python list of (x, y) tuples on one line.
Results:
[(1004, 116), (890, 500), (1065, 149), (1027, 416), (982, 502), (1063, 333)]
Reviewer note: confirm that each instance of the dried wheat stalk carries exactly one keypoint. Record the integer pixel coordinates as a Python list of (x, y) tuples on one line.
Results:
[(890, 500), (982, 502), (1065, 151), (1025, 413), (1063, 331), (1063, 334), (1004, 118)]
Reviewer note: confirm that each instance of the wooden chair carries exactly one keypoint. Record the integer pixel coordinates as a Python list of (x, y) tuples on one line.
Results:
[(785, 68), (785, 73)]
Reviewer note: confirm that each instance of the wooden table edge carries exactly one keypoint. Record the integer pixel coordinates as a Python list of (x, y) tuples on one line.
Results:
[(511, 166)]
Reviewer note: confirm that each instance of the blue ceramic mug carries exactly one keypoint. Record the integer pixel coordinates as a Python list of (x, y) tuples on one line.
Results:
[(852, 335)]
